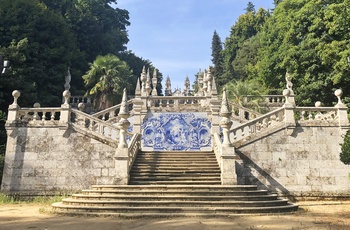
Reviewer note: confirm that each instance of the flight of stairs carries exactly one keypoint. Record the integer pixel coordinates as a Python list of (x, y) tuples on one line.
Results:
[(173, 184)]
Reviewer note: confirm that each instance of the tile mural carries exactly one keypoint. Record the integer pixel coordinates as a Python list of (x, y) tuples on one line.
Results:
[(176, 132)]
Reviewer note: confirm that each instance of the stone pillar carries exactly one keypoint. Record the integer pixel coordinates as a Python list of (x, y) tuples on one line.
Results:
[(122, 152), (342, 109), (228, 155), (13, 108), (65, 109), (215, 118), (154, 83), (288, 109)]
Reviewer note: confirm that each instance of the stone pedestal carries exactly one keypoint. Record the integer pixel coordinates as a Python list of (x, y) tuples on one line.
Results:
[(121, 166), (228, 166)]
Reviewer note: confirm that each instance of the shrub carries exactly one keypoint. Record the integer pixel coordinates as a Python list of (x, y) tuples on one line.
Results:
[(345, 149)]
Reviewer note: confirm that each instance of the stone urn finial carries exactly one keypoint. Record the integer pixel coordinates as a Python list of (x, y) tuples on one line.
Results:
[(66, 94), (123, 123), (338, 93), (16, 94), (225, 122)]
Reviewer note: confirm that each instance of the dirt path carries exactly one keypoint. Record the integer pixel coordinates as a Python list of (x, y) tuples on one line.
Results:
[(312, 215)]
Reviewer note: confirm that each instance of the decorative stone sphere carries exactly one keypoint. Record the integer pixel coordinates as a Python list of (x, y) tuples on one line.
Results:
[(338, 93), (36, 105), (81, 106), (286, 92), (66, 94), (16, 94), (318, 104)]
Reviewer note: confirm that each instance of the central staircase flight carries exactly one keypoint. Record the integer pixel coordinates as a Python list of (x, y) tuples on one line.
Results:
[(173, 184)]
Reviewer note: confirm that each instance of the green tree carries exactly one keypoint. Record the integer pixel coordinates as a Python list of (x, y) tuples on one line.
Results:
[(38, 71), (105, 80), (310, 40), (250, 7), (247, 26), (217, 60)]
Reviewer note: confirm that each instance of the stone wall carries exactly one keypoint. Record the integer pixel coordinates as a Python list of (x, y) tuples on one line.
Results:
[(46, 160), (300, 161)]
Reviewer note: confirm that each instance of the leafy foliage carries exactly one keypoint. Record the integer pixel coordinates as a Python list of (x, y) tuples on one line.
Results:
[(105, 80), (345, 149)]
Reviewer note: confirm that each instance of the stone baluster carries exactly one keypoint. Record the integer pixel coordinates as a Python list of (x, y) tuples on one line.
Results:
[(36, 115)]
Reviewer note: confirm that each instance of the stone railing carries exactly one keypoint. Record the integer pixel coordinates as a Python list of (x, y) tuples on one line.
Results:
[(257, 125), (175, 103), (111, 114), (268, 100), (133, 149), (217, 146), (93, 126), (311, 114), (243, 114), (38, 116)]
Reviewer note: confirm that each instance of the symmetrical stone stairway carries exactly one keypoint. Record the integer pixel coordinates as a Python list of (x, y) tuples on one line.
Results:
[(175, 168), (173, 184)]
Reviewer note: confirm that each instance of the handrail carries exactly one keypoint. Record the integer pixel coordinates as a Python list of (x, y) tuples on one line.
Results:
[(94, 126), (242, 113), (217, 148), (258, 124), (112, 110), (133, 149), (39, 114)]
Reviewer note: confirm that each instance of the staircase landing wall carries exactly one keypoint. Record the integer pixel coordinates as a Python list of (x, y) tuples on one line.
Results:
[(300, 161), (48, 160)]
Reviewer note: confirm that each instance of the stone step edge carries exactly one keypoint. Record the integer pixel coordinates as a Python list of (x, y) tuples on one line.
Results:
[(177, 186), (208, 208)]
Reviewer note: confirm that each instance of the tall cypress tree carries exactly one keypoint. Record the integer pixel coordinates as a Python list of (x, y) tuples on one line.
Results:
[(217, 60)]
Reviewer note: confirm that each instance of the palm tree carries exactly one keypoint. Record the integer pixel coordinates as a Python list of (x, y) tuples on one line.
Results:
[(238, 90), (106, 79)]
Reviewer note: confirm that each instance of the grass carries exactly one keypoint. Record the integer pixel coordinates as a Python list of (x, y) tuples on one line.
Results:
[(45, 200)]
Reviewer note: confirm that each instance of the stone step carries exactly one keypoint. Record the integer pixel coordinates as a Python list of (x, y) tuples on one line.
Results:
[(175, 182), (204, 188), (184, 167), (184, 197), (182, 161), (176, 164), (176, 192), (175, 203), (174, 171), (171, 210), (173, 174), (178, 178)]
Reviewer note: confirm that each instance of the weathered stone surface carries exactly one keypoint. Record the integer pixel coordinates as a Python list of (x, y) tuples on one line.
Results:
[(51, 160), (305, 163)]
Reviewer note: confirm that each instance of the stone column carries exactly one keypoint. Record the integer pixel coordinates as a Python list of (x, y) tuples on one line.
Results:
[(228, 155), (342, 109), (122, 152), (65, 109), (288, 109), (13, 109)]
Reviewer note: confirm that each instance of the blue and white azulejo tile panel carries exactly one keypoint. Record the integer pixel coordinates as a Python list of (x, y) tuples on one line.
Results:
[(176, 132)]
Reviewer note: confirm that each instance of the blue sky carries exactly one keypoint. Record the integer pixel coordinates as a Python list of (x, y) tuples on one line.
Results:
[(176, 35)]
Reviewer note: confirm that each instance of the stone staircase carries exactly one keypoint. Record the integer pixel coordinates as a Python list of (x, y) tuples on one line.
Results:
[(175, 168), (173, 184)]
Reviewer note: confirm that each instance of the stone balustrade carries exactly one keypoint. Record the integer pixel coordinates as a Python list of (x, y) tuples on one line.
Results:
[(111, 114), (217, 147), (94, 126), (134, 148), (269, 100), (162, 102), (243, 114), (308, 114), (258, 124), (38, 115)]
